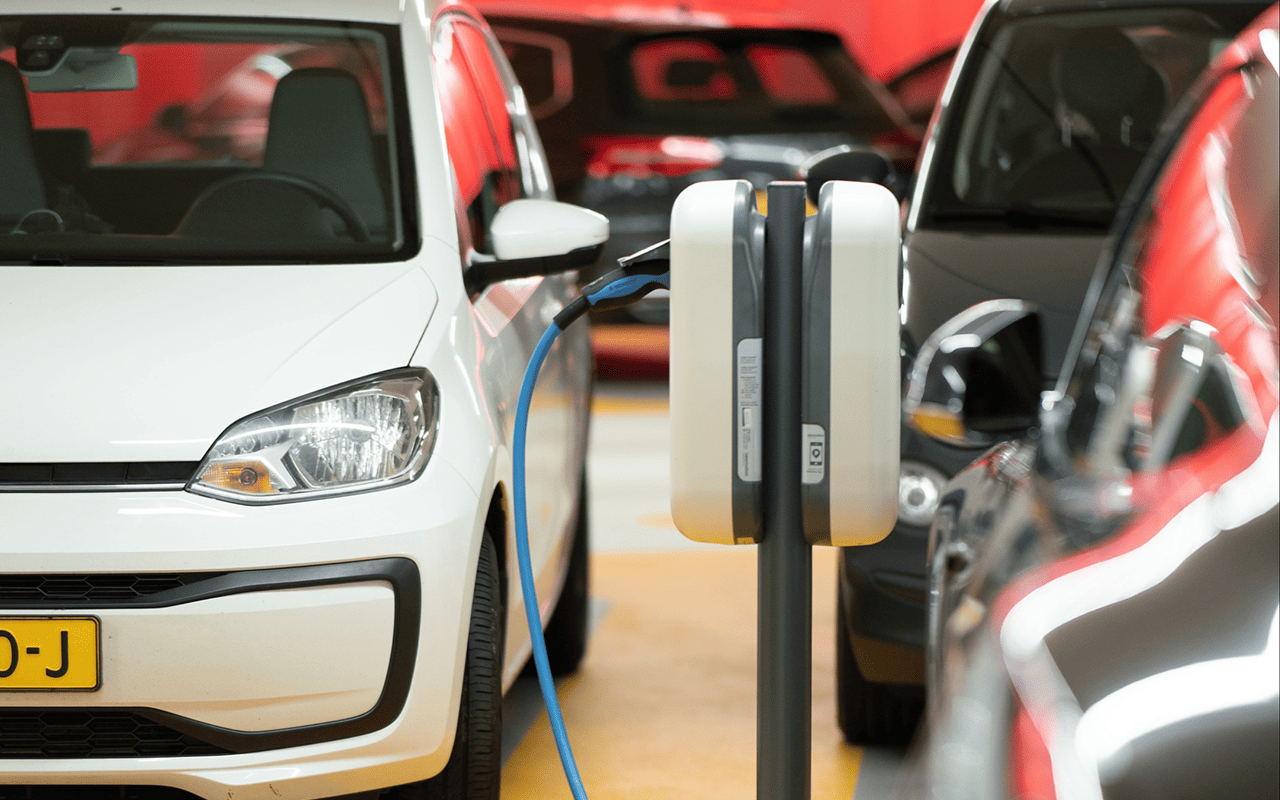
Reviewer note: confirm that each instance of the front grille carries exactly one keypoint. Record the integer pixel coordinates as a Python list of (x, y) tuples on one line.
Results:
[(61, 591), (39, 792), (98, 474), (92, 733)]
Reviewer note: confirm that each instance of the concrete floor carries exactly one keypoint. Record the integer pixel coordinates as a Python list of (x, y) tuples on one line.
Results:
[(664, 706)]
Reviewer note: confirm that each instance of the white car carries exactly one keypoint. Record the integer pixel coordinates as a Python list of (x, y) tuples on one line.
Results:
[(256, 533)]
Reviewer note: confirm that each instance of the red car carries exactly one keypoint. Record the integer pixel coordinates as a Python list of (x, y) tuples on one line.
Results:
[(1105, 590)]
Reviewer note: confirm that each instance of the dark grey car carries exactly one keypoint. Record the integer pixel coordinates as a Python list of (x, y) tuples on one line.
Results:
[(1105, 588), (1046, 117)]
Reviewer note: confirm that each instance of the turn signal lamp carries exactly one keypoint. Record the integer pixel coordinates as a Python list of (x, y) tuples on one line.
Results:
[(240, 476)]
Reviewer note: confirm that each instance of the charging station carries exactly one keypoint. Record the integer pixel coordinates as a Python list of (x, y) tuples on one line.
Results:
[(784, 387), (784, 413)]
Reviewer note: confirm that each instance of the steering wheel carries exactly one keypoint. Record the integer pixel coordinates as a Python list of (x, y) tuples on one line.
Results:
[(323, 195)]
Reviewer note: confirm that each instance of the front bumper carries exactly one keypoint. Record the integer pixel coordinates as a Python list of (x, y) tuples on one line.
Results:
[(312, 649), (884, 586)]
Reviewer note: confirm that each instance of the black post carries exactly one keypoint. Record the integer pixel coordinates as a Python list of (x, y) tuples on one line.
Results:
[(785, 566)]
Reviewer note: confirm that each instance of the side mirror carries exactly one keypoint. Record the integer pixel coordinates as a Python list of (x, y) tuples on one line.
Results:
[(848, 163), (978, 378), (539, 237)]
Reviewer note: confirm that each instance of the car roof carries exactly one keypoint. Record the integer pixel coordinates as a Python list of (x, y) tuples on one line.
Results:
[(1037, 6), (384, 11)]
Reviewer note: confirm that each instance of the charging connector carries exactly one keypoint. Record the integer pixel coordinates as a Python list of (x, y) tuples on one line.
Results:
[(636, 276)]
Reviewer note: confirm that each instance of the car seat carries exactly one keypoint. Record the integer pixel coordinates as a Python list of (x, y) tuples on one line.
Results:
[(319, 177), (319, 130), (23, 190), (1111, 103), (63, 155)]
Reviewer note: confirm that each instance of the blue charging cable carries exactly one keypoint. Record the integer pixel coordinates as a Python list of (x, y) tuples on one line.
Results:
[(633, 280)]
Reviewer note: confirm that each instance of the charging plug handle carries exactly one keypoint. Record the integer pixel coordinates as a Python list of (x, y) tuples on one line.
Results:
[(636, 276)]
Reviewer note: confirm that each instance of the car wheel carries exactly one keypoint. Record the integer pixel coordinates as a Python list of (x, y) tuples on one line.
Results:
[(868, 712), (566, 633), (474, 771)]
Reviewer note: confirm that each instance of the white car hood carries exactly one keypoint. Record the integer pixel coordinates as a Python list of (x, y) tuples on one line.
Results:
[(153, 363)]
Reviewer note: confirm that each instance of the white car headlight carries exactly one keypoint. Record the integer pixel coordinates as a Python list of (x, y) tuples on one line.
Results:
[(368, 434)]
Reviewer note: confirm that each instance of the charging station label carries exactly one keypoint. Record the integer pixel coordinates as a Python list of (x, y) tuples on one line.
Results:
[(749, 422), (814, 439)]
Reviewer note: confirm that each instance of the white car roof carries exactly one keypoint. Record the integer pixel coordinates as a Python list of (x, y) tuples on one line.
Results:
[(384, 11)]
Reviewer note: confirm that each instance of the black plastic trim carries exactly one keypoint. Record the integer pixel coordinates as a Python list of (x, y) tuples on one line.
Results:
[(405, 580), (482, 274), (136, 474)]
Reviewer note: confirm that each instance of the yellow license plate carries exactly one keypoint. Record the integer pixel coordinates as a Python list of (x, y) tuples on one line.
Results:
[(42, 654)]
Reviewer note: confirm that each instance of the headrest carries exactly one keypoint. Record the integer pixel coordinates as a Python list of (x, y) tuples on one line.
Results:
[(1100, 73), (319, 129), (19, 175), (63, 152)]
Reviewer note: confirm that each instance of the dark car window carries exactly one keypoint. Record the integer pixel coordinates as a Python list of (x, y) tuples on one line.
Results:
[(1176, 302), (1055, 111), (682, 69), (790, 75), (543, 62)]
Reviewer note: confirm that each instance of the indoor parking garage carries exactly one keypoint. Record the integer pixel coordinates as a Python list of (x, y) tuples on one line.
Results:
[(644, 400)]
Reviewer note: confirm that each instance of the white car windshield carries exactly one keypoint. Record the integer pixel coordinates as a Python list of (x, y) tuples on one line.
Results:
[(188, 140)]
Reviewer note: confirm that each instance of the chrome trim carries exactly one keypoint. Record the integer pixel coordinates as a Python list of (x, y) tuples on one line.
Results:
[(93, 487)]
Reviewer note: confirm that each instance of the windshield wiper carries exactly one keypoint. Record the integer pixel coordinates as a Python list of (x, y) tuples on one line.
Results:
[(1027, 216)]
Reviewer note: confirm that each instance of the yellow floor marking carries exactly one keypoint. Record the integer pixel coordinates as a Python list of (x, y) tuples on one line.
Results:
[(656, 519), (664, 707), (630, 405)]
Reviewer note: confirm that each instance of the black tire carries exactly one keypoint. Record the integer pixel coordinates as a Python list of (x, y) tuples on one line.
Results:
[(868, 713), (474, 771), (566, 632)]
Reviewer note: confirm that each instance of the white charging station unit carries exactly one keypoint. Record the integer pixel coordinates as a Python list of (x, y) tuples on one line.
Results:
[(717, 239), (851, 394)]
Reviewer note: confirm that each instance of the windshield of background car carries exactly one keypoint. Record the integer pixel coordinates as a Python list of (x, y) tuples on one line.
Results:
[(1056, 111), (193, 140)]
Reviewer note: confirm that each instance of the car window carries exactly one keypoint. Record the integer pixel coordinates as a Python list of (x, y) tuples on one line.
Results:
[(498, 103), (682, 69), (473, 152), (237, 142), (1159, 372), (790, 75), (1055, 111), (544, 65)]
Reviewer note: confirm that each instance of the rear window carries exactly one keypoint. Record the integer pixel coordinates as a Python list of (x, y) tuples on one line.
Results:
[(748, 81), (143, 139), (544, 66)]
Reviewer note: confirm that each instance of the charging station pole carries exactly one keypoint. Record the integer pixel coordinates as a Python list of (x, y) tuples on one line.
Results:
[(785, 564)]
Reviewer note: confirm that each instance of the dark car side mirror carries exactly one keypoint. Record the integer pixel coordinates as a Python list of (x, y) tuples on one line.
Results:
[(849, 163), (978, 378)]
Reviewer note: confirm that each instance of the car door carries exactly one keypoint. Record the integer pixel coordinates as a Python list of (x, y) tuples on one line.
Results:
[(496, 158)]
